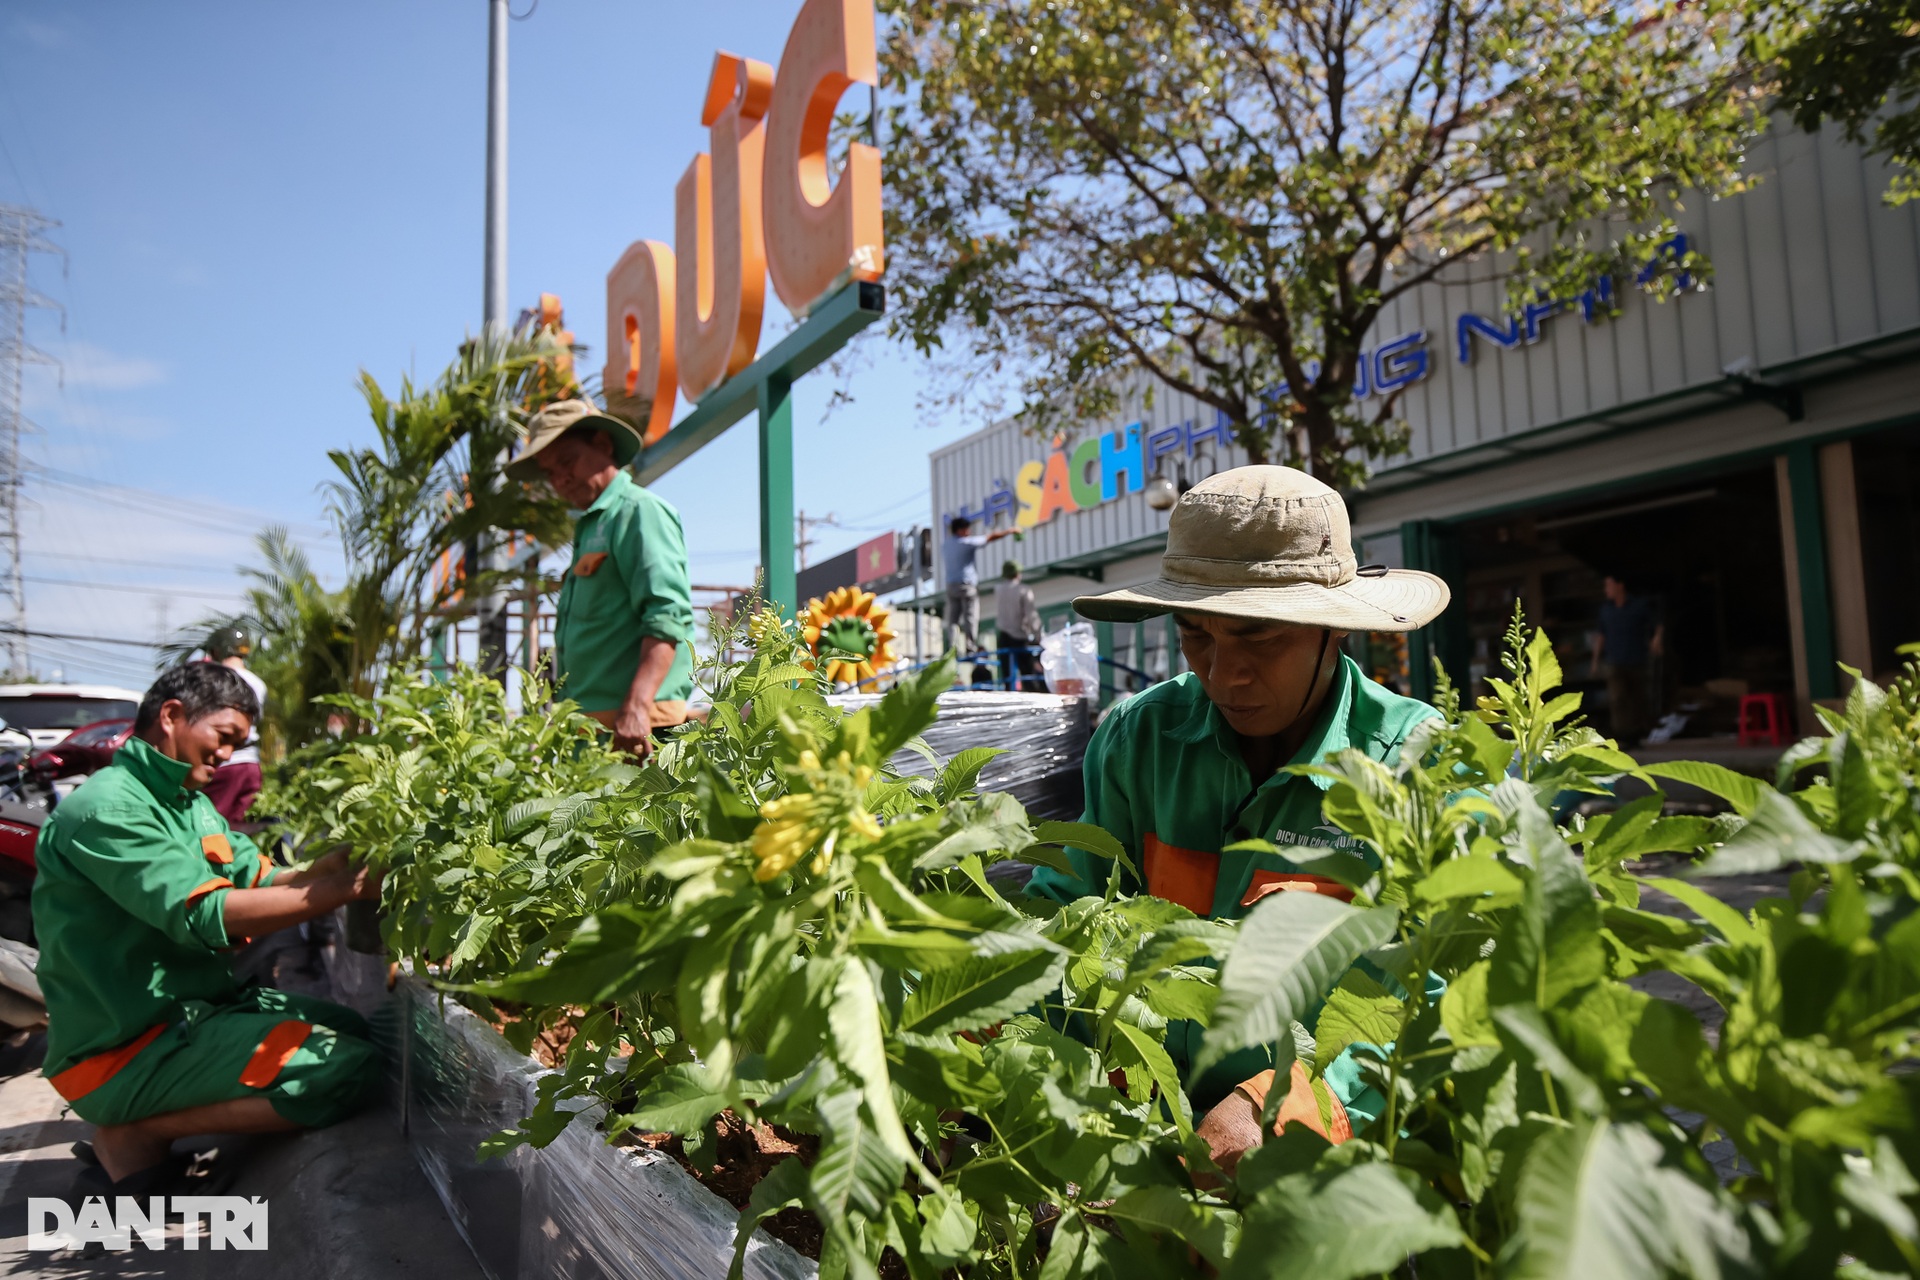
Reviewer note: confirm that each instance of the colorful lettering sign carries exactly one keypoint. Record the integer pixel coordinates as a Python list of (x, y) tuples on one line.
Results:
[(1101, 468), (756, 205)]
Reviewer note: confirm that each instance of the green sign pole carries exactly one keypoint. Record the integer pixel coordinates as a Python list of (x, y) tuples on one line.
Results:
[(766, 386), (776, 491)]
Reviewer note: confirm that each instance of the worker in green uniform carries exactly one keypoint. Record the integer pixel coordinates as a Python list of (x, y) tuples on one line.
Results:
[(1259, 574), (624, 635), (142, 894)]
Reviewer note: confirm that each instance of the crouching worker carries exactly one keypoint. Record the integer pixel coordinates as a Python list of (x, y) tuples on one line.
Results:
[(142, 893), (1260, 577)]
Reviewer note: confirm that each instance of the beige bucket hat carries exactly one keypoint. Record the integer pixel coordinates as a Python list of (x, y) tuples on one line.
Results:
[(563, 416), (1271, 544)]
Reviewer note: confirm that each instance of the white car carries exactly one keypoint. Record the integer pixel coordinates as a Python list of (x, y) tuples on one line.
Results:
[(46, 713)]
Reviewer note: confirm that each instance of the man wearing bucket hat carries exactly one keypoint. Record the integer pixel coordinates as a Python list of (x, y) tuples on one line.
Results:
[(624, 636), (1260, 577)]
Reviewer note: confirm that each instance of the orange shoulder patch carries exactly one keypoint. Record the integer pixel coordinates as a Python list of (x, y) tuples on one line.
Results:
[(1185, 876), (217, 848)]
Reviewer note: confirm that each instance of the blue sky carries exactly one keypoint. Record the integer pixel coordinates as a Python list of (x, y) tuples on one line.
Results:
[(260, 200)]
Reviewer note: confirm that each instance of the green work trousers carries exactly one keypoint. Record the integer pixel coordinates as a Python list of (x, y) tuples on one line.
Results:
[(313, 1060)]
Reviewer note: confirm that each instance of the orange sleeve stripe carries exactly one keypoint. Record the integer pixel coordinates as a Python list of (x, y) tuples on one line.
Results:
[(281, 1043), (83, 1077), (200, 891), (1266, 882)]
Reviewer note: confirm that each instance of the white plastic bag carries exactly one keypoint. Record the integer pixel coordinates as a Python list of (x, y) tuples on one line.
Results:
[(1070, 660)]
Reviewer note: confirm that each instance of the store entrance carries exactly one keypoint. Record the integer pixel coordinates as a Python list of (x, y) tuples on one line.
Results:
[(1704, 557)]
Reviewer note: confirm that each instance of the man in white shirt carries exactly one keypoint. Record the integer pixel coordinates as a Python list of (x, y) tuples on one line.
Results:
[(1019, 625), (963, 579), (237, 782)]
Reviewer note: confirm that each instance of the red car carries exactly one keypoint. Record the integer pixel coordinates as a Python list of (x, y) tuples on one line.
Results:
[(86, 750)]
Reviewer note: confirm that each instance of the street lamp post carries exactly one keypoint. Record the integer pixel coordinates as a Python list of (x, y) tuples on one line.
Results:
[(490, 608)]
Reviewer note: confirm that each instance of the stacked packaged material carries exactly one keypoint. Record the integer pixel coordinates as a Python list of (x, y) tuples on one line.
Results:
[(1044, 737)]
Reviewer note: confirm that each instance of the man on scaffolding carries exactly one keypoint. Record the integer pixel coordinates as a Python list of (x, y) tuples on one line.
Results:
[(624, 636), (963, 581)]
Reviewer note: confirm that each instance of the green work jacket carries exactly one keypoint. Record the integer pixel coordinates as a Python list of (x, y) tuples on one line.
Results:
[(628, 580), (1165, 776), (129, 904)]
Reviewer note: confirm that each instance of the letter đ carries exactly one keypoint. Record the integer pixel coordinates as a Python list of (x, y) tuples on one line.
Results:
[(720, 281), (820, 235), (641, 380), (41, 1237)]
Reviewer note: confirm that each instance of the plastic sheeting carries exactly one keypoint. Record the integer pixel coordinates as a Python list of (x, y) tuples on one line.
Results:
[(1044, 736), (577, 1209)]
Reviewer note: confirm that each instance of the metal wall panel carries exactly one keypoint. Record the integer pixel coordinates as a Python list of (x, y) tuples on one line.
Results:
[(1809, 260)]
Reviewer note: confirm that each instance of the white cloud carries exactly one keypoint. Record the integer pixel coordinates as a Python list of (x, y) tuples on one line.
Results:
[(95, 368), (44, 34)]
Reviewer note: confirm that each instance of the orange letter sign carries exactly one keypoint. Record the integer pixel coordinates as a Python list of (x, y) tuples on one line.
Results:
[(717, 207), (640, 379), (818, 236)]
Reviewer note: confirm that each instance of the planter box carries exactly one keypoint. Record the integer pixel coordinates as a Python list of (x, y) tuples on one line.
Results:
[(575, 1210)]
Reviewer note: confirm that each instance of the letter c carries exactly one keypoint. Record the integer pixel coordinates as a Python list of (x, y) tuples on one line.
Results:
[(820, 236)]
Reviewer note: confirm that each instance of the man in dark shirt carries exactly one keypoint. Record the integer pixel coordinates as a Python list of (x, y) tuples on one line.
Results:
[(1630, 633)]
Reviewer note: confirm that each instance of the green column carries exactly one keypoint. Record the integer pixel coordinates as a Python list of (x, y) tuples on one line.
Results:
[(1430, 545), (1810, 555), (776, 491)]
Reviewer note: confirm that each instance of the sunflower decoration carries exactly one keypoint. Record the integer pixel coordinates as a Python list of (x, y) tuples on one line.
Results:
[(849, 621)]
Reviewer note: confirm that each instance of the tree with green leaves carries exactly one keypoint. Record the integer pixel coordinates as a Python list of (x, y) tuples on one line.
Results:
[(430, 485), (424, 489), (1852, 62), (303, 646), (1225, 193)]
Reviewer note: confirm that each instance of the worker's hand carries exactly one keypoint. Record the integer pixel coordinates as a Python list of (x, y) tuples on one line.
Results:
[(331, 863), (1231, 1130), (344, 880), (633, 729), (363, 883)]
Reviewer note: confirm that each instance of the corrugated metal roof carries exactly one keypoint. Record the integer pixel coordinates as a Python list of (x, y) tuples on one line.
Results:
[(1808, 262)]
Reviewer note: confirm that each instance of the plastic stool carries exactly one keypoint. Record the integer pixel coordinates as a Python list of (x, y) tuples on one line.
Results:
[(1763, 719)]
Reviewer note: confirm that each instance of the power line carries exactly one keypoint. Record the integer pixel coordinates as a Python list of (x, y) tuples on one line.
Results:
[(185, 510), (59, 635), (145, 591), (84, 558)]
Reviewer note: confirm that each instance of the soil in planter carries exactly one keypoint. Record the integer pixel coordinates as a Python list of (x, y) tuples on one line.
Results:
[(744, 1154), (549, 1044)]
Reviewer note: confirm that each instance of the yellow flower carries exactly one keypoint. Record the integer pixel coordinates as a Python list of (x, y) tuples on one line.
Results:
[(768, 630), (786, 835)]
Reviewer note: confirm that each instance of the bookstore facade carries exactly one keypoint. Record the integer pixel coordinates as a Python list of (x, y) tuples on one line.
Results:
[(1745, 454)]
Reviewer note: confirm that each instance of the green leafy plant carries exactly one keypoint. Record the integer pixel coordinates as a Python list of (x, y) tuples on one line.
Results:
[(766, 921)]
